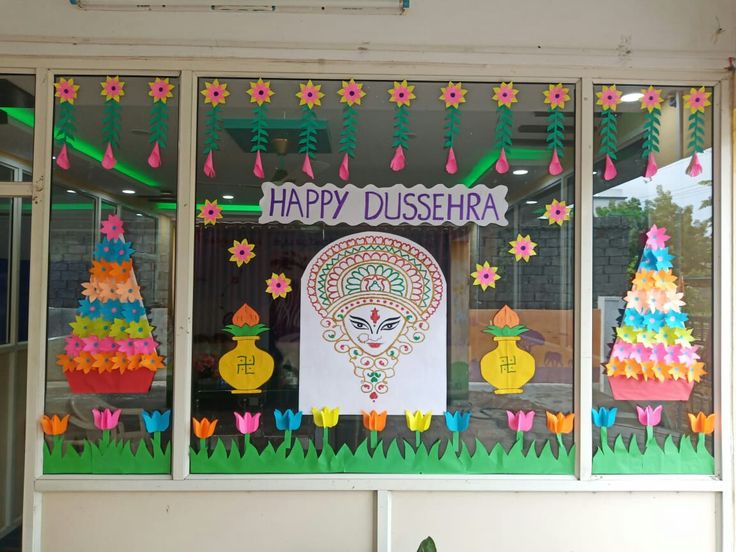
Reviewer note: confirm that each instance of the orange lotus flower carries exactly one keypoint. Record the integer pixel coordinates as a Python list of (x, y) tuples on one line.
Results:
[(701, 423), (54, 425), (560, 423), (245, 315), (506, 316), (203, 428), (374, 421)]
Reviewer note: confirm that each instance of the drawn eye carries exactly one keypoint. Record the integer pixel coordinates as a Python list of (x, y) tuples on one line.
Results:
[(358, 324), (390, 326)]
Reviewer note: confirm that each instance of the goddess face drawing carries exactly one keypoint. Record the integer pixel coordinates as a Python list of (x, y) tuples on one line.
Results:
[(374, 294)]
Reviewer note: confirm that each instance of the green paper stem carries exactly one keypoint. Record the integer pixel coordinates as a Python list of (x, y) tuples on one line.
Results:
[(401, 127), (519, 436), (246, 439), (556, 131), (347, 134), (418, 438), (608, 133), (156, 438), (701, 440), (696, 127), (325, 437), (67, 120), (604, 437), (452, 125), (650, 434), (559, 441), (58, 443), (202, 444), (287, 439), (105, 439), (504, 126), (213, 126), (308, 133), (651, 132), (456, 441), (111, 124), (374, 439), (260, 128)]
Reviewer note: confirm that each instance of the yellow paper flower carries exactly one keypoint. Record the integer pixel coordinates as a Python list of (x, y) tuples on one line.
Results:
[(309, 94), (609, 97), (453, 94), (651, 99), (278, 285), (485, 276), (215, 93), (66, 90), (402, 93), (260, 92), (697, 100), (556, 96), (139, 328), (351, 92), (160, 90), (522, 247), (242, 252), (326, 417), (418, 421), (119, 329), (112, 89), (505, 94)]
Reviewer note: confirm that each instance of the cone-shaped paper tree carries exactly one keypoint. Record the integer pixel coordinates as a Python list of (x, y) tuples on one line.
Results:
[(653, 356), (111, 348)]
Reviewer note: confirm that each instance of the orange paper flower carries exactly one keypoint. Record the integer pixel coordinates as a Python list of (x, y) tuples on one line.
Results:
[(560, 423), (203, 428), (701, 423), (56, 426), (374, 421)]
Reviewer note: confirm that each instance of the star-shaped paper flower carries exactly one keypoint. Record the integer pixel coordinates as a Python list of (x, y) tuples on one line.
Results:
[(112, 228), (656, 237), (636, 300), (278, 285), (505, 94), (309, 94), (673, 301), (665, 280), (652, 99), (402, 93), (160, 90), (609, 97), (260, 92), (215, 93), (242, 252), (66, 90), (557, 212), (112, 89), (522, 247), (676, 320), (663, 259), (644, 280), (556, 96), (453, 94), (351, 92), (485, 275), (210, 212), (646, 337), (697, 100)]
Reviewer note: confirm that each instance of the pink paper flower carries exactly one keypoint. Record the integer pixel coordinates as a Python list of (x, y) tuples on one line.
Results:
[(502, 164), (215, 93), (127, 346), (697, 100), (154, 159), (453, 94), (694, 168), (112, 227), (91, 344), (656, 237), (556, 96), (485, 275), (246, 422), (402, 93), (145, 346), (652, 99), (344, 171), (557, 212), (609, 97), (107, 345), (451, 164), (278, 285), (112, 89), (160, 90), (609, 171), (242, 252), (555, 167), (66, 90), (74, 345), (210, 212), (522, 247), (651, 168), (505, 94), (648, 416), (621, 350), (398, 162), (520, 420), (106, 420), (209, 166), (307, 166), (108, 160), (309, 94), (260, 92), (62, 160), (351, 92), (258, 166)]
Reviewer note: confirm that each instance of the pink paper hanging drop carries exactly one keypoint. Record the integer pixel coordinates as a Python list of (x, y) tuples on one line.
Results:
[(258, 166), (451, 164), (154, 160), (209, 166), (62, 160), (555, 167), (694, 168), (307, 166), (651, 169), (344, 171), (398, 162), (109, 161), (610, 171), (502, 165)]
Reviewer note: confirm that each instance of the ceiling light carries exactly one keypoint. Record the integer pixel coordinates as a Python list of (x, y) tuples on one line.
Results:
[(520, 172), (531, 202), (139, 214), (595, 172), (228, 196), (71, 192), (129, 192), (632, 97)]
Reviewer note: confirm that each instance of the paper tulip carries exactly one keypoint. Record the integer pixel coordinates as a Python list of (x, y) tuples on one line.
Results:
[(701, 423), (326, 418), (457, 422), (520, 422), (204, 428), (649, 417), (247, 423), (560, 423), (418, 422), (287, 422), (374, 422), (106, 420), (604, 418), (156, 421), (54, 425)]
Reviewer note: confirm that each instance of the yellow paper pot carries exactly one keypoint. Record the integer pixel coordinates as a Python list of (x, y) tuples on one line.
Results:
[(507, 368), (246, 368)]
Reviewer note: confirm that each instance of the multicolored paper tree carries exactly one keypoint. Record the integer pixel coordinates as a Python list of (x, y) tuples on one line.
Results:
[(555, 97), (112, 90), (309, 97), (651, 104), (696, 101), (506, 96), (67, 92), (160, 90), (215, 94), (111, 348), (350, 94), (653, 356), (401, 96), (452, 95), (608, 98), (260, 93)]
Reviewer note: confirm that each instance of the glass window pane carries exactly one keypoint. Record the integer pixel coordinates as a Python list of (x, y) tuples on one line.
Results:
[(6, 226), (24, 268), (110, 333), (16, 123), (653, 284)]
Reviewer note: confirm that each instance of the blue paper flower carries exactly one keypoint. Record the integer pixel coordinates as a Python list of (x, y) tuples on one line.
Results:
[(457, 421), (663, 259), (675, 319), (632, 318), (654, 321), (603, 417), (648, 260), (121, 251), (103, 251), (90, 309), (111, 310), (156, 421), (133, 311), (287, 420)]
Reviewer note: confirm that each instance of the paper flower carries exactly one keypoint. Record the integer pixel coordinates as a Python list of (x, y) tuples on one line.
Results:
[(112, 228), (401, 94), (278, 285), (260, 92), (457, 421), (696, 102), (204, 428), (520, 421), (350, 94), (656, 237), (452, 95), (485, 275), (66, 90), (522, 247), (651, 99), (418, 421), (603, 417), (649, 416), (246, 422), (242, 252), (326, 417), (374, 421), (557, 212), (609, 97), (701, 423), (112, 89), (54, 425), (215, 93), (287, 420), (160, 90), (106, 420), (555, 97), (505, 95), (309, 94), (651, 104), (210, 212), (560, 423), (156, 421)]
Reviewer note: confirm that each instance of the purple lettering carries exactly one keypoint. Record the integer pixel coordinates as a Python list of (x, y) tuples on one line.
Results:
[(409, 201), (366, 213), (294, 200), (490, 205), (436, 205), (459, 206), (325, 200), (273, 201), (312, 199), (473, 202), (340, 202), (423, 200)]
